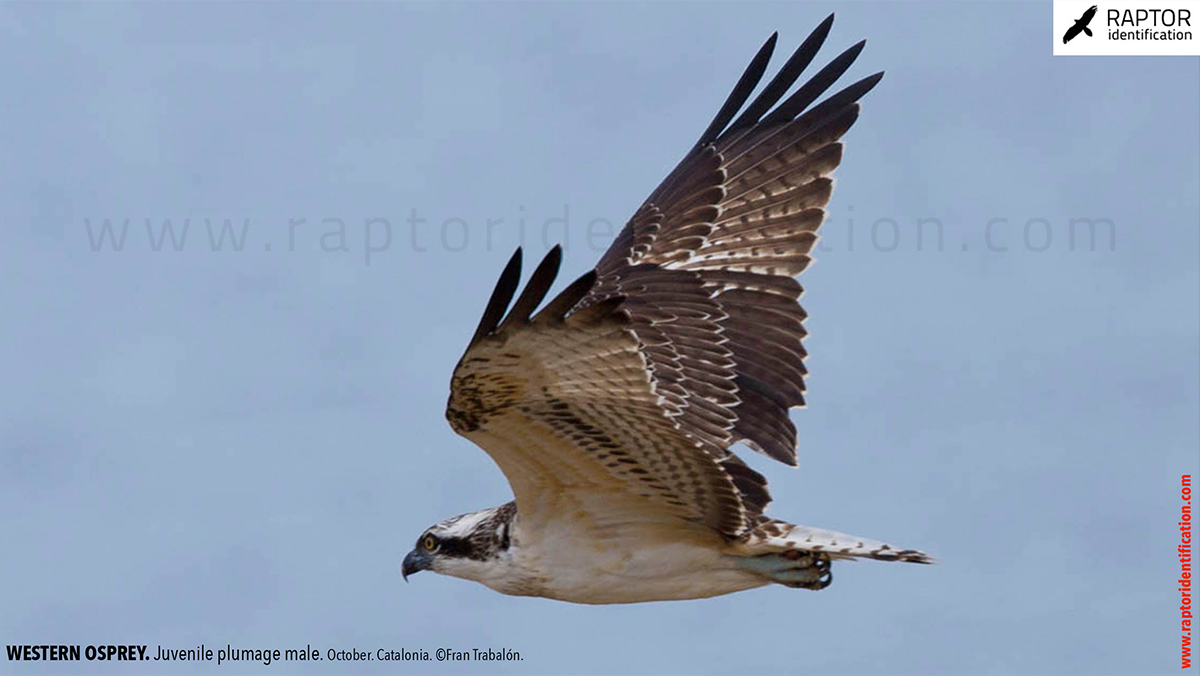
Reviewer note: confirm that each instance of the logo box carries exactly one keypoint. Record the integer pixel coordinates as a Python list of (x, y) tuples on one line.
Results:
[(1130, 28)]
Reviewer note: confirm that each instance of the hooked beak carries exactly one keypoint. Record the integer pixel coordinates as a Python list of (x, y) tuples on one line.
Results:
[(415, 562)]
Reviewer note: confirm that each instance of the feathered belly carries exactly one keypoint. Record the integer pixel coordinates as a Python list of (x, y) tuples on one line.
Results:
[(630, 563)]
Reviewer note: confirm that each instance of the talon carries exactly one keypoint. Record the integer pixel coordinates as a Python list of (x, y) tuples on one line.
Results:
[(800, 569)]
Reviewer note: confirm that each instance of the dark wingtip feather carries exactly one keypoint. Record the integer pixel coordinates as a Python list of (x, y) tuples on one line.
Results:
[(811, 90), (559, 307), (786, 76), (741, 91), (846, 97), (506, 286), (536, 288), (859, 89)]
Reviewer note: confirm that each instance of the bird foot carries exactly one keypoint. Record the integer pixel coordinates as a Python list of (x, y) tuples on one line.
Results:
[(805, 570)]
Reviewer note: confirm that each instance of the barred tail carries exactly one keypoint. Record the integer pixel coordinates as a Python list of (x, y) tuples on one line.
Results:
[(777, 536)]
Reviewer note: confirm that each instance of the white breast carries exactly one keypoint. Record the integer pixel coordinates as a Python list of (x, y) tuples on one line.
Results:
[(574, 560)]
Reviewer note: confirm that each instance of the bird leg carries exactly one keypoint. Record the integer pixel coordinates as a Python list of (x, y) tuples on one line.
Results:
[(794, 568)]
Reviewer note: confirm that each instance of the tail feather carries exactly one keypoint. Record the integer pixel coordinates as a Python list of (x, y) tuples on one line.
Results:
[(778, 536)]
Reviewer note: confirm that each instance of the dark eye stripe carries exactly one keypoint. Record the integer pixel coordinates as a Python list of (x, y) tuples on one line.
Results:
[(457, 547)]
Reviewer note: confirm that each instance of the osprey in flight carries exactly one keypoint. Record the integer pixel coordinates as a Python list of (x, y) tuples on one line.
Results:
[(613, 410)]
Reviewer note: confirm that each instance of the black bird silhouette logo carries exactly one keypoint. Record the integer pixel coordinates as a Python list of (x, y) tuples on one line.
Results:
[(1081, 25)]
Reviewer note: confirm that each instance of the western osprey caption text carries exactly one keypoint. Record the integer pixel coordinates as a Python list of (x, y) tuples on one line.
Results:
[(229, 654)]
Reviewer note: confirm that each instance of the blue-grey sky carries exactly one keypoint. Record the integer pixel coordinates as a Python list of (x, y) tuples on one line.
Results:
[(238, 447)]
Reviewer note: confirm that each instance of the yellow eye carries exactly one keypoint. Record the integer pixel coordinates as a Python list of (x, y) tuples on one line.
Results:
[(430, 543)]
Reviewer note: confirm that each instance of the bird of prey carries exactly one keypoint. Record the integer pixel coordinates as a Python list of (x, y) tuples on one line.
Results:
[(613, 410), (1081, 25)]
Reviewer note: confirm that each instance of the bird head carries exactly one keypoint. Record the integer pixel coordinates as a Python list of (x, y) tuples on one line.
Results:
[(466, 546)]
